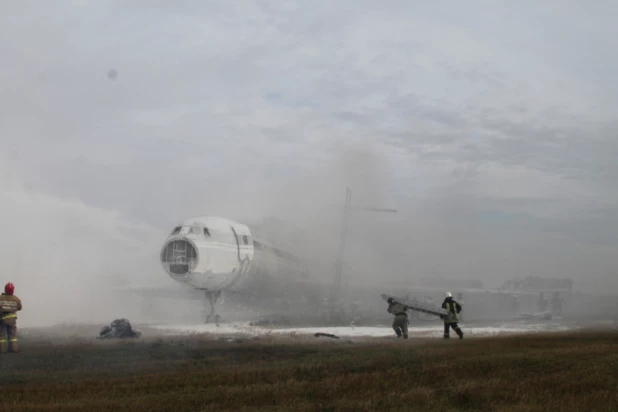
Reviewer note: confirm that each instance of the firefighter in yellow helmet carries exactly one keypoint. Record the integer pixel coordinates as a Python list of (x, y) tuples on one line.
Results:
[(9, 305), (450, 321)]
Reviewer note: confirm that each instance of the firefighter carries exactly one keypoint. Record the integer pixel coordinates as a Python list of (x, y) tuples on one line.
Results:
[(400, 324), (460, 300), (450, 321), (9, 305)]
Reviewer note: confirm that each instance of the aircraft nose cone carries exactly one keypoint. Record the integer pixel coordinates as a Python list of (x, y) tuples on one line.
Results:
[(179, 257)]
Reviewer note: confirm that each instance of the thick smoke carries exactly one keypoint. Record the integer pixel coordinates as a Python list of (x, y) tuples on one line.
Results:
[(450, 231), (305, 214), (97, 169), (69, 259), (66, 258)]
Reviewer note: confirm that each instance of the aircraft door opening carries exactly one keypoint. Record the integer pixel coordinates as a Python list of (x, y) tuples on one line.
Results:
[(243, 242)]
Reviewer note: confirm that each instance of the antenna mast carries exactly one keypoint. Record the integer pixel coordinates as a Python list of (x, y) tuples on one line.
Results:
[(336, 295)]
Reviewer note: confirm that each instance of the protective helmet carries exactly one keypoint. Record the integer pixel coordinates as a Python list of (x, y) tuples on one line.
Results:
[(448, 295), (9, 288)]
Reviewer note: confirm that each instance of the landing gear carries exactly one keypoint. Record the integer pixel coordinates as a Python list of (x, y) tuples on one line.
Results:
[(212, 300)]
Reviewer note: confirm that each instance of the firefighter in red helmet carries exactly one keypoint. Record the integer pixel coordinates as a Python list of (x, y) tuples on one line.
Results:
[(9, 305)]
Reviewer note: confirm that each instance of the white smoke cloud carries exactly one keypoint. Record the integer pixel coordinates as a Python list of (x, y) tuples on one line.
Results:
[(66, 258)]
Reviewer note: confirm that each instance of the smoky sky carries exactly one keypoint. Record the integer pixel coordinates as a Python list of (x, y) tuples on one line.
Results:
[(489, 125)]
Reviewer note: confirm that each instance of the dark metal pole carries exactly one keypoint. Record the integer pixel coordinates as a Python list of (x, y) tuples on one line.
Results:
[(336, 293)]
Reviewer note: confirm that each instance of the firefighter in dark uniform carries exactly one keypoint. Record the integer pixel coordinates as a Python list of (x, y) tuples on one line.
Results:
[(400, 324), (450, 321), (9, 306), (460, 300)]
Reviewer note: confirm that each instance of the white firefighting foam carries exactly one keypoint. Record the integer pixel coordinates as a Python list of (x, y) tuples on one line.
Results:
[(361, 331)]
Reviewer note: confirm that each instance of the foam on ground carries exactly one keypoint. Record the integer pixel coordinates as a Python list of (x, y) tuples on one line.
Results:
[(358, 331)]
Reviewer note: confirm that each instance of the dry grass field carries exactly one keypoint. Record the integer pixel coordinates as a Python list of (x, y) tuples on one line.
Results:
[(575, 371)]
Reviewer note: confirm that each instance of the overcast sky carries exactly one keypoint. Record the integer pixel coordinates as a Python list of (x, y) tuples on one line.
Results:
[(486, 120)]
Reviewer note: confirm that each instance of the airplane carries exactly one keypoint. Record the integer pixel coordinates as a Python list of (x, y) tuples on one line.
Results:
[(213, 255)]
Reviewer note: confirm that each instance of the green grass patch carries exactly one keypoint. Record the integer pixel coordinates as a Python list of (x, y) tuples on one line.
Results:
[(565, 372)]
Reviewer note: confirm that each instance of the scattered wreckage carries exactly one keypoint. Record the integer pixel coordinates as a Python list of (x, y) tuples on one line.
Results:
[(119, 329), (326, 335)]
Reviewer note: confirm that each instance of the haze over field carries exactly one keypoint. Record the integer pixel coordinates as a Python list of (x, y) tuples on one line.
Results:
[(490, 126)]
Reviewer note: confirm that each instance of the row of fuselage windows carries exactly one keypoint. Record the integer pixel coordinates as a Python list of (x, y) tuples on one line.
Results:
[(198, 230), (257, 245), (193, 230)]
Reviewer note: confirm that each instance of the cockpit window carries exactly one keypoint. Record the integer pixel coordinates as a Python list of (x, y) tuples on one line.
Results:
[(176, 230), (206, 232)]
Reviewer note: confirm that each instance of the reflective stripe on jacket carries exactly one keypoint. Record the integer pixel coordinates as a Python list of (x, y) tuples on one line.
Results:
[(9, 304), (453, 308)]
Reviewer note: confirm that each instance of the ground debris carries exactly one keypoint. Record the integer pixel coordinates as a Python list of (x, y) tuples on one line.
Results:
[(119, 329), (326, 335)]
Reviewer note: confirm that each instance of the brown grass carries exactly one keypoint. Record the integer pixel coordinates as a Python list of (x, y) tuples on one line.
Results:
[(559, 372)]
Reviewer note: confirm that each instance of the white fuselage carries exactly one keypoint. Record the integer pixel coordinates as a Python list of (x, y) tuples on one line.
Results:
[(216, 254)]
